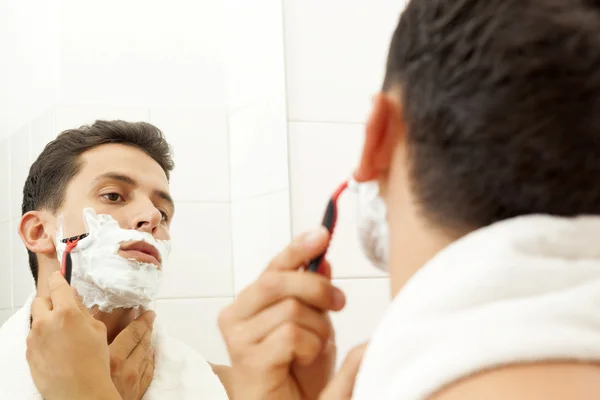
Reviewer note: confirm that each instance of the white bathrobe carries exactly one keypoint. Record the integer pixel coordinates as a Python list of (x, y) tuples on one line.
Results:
[(519, 291), (180, 371)]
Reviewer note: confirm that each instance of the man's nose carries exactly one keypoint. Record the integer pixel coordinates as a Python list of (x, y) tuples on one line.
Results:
[(147, 218)]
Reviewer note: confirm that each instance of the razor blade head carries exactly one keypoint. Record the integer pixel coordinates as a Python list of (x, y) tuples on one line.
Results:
[(75, 238)]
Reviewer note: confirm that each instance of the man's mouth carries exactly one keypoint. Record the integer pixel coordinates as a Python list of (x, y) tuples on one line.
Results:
[(140, 251)]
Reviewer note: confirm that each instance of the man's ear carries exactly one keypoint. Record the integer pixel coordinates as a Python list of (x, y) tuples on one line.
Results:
[(33, 230), (383, 130)]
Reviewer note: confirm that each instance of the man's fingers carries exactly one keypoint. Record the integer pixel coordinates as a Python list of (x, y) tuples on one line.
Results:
[(349, 368), (40, 307), (60, 291), (302, 249), (342, 384), (313, 289), (129, 337), (325, 269), (147, 376), (141, 353), (289, 310), (290, 343)]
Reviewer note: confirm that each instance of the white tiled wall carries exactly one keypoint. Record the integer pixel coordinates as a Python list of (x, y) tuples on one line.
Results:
[(19, 167), (69, 116), (4, 180), (254, 52), (261, 227), (335, 52), (5, 271), (29, 71), (43, 129), (259, 157), (200, 132), (263, 102), (139, 52), (257, 135), (200, 262)]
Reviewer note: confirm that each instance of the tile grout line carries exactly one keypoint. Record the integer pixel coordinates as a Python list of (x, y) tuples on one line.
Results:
[(195, 298), (231, 222), (258, 196), (359, 278), (351, 123), (287, 121), (10, 238), (201, 201)]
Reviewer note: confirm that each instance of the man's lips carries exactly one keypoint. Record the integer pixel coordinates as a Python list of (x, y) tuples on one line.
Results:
[(140, 251)]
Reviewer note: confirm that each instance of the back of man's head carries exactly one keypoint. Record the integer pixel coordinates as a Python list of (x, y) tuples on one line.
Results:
[(502, 104), (60, 161)]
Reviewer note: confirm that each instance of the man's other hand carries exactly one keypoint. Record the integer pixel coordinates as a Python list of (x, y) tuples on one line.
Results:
[(278, 332), (132, 358), (342, 384), (66, 348)]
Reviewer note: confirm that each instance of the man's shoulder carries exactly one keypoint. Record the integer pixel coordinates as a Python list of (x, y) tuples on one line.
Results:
[(15, 377), (559, 380), (14, 327), (13, 337)]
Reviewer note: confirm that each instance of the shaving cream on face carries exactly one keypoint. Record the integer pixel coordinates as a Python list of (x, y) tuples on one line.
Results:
[(102, 277), (372, 223)]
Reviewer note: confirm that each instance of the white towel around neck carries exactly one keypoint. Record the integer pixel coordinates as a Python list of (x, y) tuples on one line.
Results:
[(180, 371), (522, 290)]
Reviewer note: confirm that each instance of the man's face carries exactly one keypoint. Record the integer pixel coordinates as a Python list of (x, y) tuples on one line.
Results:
[(123, 182)]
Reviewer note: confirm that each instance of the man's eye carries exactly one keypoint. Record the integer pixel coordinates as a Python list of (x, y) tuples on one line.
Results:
[(113, 197), (165, 216)]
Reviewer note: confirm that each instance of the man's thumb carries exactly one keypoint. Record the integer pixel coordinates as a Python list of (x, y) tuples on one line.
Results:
[(342, 384)]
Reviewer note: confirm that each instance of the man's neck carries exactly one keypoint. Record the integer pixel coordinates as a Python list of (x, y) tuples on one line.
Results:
[(116, 321), (414, 240)]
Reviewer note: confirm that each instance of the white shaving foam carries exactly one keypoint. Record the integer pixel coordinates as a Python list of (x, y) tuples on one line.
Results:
[(372, 222), (102, 277)]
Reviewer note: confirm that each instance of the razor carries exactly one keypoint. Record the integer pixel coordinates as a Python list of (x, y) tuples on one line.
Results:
[(67, 262)]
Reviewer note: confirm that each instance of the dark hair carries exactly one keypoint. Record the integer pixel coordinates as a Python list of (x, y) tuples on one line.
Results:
[(502, 107), (60, 161)]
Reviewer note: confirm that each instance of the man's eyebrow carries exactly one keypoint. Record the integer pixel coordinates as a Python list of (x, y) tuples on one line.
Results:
[(117, 177), (166, 197)]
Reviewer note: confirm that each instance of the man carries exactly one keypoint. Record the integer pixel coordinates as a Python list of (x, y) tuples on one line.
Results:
[(484, 147), (111, 172)]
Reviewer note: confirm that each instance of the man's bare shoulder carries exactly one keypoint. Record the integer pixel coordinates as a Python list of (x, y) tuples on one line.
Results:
[(223, 372), (558, 381)]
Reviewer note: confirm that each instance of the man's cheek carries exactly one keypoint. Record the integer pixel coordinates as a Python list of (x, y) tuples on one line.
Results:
[(72, 224), (163, 233)]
